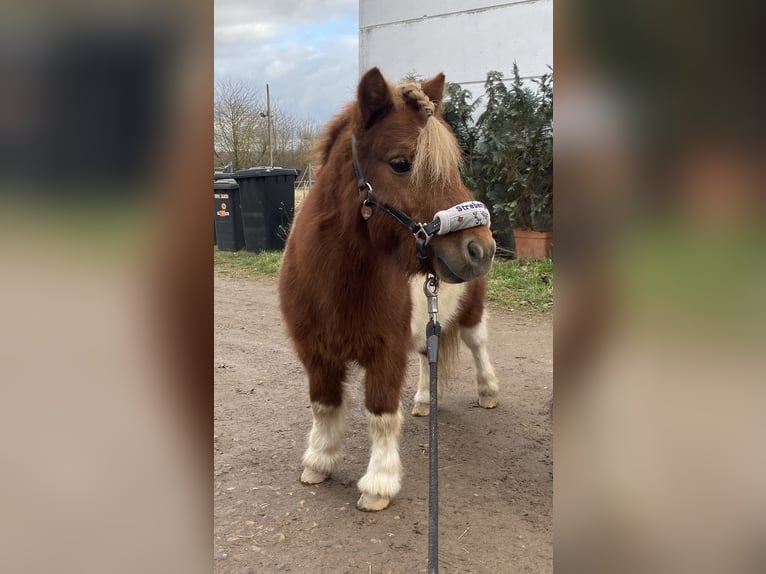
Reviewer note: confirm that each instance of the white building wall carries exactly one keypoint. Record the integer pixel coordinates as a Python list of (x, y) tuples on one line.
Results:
[(462, 38)]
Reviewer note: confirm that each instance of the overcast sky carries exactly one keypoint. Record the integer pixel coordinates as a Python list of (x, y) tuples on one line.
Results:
[(307, 51)]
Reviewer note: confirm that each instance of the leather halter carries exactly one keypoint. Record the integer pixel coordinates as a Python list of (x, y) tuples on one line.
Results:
[(422, 231)]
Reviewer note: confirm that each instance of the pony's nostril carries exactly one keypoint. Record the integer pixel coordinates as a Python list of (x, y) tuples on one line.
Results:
[(475, 252)]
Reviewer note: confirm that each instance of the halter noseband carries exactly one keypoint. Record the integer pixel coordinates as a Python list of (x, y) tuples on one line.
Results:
[(462, 216)]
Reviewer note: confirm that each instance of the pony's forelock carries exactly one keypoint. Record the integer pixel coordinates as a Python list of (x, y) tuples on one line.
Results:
[(437, 155)]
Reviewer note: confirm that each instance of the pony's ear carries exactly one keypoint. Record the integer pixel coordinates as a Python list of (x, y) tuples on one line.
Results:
[(434, 89), (374, 97)]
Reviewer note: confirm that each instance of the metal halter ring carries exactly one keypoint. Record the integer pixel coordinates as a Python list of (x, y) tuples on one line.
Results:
[(422, 234)]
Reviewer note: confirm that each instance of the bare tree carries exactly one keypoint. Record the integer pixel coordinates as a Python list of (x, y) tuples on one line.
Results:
[(306, 135), (291, 138), (285, 129), (236, 122), (241, 129)]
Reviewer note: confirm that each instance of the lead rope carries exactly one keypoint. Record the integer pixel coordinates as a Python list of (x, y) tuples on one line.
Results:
[(433, 332)]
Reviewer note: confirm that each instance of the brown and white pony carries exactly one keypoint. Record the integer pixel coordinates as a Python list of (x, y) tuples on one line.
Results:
[(346, 278)]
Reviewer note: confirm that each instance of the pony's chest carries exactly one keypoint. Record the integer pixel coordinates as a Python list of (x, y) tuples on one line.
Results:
[(450, 297)]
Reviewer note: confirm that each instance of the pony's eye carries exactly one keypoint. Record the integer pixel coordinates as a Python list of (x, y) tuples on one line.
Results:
[(400, 165)]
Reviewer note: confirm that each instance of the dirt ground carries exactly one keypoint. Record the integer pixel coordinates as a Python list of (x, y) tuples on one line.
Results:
[(496, 466)]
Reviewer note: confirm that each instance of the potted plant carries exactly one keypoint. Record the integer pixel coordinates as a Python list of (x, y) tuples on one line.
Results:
[(512, 162)]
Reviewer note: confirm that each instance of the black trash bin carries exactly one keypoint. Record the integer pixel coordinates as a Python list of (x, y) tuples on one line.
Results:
[(228, 215), (267, 198)]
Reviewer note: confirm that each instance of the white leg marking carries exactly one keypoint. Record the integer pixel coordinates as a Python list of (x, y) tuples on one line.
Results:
[(383, 478), (323, 454), (475, 339)]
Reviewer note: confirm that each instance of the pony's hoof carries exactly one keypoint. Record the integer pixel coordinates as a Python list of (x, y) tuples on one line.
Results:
[(421, 410), (313, 477), (488, 402), (372, 502)]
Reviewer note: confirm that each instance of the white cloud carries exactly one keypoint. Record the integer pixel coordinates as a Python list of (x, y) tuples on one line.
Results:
[(243, 31), (282, 12), (306, 50)]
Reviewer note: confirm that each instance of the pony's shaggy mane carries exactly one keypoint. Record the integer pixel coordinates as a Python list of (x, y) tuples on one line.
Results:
[(329, 135)]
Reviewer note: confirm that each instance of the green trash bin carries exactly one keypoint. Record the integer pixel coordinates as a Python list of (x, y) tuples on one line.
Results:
[(227, 215), (267, 199)]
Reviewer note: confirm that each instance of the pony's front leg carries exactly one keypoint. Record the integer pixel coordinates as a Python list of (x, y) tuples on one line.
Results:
[(475, 338), (323, 454), (383, 478)]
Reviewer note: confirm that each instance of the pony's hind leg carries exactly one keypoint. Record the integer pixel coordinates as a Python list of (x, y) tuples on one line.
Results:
[(475, 338), (422, 401), (448, 352), (323, 454)]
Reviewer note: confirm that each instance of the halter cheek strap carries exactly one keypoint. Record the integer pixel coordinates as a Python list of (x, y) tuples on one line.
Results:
[(462, 216)]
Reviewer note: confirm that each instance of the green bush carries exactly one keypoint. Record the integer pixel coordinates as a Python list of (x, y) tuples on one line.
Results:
[(508, 150)]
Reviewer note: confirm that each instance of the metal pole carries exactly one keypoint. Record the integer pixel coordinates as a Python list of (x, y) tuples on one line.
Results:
[(268, 123)]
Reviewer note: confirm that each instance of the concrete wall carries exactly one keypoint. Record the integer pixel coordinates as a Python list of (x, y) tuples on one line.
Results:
[(463, 38)]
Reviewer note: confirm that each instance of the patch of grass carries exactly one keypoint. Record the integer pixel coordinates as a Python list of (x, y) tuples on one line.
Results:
[(247, 264), (521, 284), (513, 284)]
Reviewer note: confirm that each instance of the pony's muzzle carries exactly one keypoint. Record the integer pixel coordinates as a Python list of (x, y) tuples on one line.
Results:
[(474, 252), (464, 259), (478, 255)]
